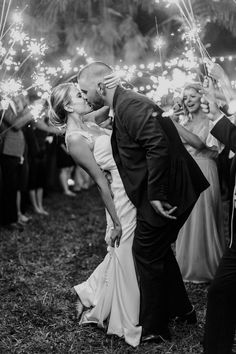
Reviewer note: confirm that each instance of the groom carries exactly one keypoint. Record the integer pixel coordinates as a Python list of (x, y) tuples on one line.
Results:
[(163, 182)]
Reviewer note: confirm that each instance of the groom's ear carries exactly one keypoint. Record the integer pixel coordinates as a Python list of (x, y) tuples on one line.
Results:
[(101, 89)]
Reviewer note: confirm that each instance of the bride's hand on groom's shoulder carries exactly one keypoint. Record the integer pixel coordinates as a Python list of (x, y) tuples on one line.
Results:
[(114, 79), (164, 209), (99, 116)]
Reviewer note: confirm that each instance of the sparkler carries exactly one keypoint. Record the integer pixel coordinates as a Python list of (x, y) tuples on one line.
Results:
[(66, 66), (158, 43), (37, 110), (81, 51), (10, 87), (17, 17), (2, 50), (17, 21), (18, 36), (14, 41), (37, 48), (4, 19), (192, 34), (41, 81), (4, 104), (163, 75)]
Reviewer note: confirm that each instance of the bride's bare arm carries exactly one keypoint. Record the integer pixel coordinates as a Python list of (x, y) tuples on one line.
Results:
[(82, 155)]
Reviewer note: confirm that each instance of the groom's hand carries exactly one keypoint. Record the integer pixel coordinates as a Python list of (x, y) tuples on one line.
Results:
[(164, 209)]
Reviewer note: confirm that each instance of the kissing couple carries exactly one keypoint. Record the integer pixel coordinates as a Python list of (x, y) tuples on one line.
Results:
[(155, 183)]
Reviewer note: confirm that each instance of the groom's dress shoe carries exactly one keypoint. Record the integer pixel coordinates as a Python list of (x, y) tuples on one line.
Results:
[(189, 318)]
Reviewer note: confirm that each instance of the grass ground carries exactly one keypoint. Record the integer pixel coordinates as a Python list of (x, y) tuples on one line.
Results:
[(39, 266)]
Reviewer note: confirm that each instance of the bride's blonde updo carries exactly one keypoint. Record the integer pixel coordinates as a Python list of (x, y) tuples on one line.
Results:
[(58, 99)]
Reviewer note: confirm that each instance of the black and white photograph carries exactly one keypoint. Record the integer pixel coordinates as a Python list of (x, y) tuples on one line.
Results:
[(117, 176)]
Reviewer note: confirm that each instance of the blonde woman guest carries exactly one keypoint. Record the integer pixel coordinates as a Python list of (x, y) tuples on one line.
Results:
[(201, 241)]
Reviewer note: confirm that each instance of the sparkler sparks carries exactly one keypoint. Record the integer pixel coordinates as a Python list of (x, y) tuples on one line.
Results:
[(37, 48), (4, 103), (81, 51), (37, 110), (66, 66), (14, 44), (159, 42), (18, 36), (2, 50), (10, 87), (17, 17), (165, 76), (41, 81), (192, 34)]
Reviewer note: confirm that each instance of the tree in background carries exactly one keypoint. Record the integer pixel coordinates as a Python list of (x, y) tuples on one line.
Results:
[(114, 30)]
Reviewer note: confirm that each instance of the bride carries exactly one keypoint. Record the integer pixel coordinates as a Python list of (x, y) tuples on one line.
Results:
[(110, 296)]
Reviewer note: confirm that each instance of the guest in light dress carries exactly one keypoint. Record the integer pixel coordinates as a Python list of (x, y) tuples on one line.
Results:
[(201, 241)]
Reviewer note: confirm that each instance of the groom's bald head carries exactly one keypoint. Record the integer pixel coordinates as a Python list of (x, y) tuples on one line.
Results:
[(91, 81), (94, 73)]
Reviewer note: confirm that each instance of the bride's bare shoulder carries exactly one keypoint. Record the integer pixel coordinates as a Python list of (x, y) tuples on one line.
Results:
[(78, 140), (75, 138)]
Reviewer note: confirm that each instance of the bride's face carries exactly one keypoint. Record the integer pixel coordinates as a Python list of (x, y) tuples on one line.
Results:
[(77, 102)]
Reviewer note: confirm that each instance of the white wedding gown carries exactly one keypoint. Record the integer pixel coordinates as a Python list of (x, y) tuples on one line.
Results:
[(111, 293)]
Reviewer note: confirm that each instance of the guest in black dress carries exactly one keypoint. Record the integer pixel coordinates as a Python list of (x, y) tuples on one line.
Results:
[(65, 165), (36, 136), (13, 162)]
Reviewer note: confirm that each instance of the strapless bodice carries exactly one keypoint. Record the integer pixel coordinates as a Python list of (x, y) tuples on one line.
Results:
[(100, 146), (103, 153)]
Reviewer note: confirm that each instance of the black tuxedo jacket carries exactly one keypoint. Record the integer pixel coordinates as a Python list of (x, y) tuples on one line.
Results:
[(225, 131), (151, 159)]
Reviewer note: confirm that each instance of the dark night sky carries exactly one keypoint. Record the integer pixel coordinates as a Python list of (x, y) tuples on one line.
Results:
[(221, 40)]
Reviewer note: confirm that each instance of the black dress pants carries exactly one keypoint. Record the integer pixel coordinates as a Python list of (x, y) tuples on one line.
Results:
[(221, 307), (163, 294), (10, 176)]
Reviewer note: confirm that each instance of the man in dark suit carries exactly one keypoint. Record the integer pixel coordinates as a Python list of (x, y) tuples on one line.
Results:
[(163, 182), (221, 306)]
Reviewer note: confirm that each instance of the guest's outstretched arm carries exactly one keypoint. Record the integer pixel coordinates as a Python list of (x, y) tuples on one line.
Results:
[(223, 129), (225, 132), (16, 122), (217, 73), (189, 137)]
